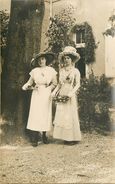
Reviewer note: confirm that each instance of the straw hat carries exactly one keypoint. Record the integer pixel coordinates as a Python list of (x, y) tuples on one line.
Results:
[(69, 50)]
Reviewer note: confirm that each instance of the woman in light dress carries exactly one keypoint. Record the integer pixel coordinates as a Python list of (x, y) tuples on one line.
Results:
[(42, 81), (66, 121)]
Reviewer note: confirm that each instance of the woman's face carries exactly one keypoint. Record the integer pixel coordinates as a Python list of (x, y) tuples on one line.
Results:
[(42, 61), (67, 61)]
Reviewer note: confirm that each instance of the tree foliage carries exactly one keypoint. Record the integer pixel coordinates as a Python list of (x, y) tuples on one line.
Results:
[(58, 32), (4, 15)]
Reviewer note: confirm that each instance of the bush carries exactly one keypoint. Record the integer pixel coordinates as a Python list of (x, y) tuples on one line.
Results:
[(94, 100)]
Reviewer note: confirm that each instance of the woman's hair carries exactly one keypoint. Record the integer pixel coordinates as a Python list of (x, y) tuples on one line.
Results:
[(49, 56), (37, 60), (47, 60), (73, 58)]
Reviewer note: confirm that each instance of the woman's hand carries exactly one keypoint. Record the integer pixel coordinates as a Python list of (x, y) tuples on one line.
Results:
[(28, 84), (70, 95), (27, 87), (35, 87), (53, 94)]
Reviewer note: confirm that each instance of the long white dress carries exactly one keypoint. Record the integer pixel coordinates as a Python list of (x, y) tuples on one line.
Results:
[(40, 114), (66, 121)]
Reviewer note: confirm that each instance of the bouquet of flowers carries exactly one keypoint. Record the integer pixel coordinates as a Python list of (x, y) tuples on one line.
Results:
[(63, 91), (61, 99)]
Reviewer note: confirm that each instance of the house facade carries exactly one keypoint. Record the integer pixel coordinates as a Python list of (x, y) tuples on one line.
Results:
[(96, 13)]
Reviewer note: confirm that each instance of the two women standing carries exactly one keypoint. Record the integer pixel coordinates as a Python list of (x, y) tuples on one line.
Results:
[(66, 121)]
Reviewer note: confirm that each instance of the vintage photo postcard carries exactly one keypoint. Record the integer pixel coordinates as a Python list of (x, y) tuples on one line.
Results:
[(57, 114)]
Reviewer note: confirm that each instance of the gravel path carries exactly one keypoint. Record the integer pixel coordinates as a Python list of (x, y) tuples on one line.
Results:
[(91, 161)]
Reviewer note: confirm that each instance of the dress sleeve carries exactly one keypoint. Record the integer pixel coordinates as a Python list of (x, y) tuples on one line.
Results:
[(32, 74), (54, 79), (77, 78), (77, 82), (54, 73)]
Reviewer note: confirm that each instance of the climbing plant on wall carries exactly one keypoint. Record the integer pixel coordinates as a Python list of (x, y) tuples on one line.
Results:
[(58, 31), (88, 53), (111, 30)]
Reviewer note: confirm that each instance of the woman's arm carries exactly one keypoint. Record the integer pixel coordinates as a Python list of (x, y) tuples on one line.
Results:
[(28, 84), (53, 83), (55, 90), (77, 84)]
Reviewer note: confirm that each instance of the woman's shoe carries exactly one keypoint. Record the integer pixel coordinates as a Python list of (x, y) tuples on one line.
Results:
[(66, 142), (70, 143), (34, 137), (34, 144), (44, 138)]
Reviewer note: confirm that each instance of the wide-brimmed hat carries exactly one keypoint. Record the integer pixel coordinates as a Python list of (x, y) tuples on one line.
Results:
[(69, 50), (48, 55)]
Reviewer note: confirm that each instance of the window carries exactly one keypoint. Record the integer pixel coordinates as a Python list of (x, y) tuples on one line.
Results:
[(80, 46)]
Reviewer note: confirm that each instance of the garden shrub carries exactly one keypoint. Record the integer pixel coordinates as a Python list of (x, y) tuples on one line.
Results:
[(94, 99)]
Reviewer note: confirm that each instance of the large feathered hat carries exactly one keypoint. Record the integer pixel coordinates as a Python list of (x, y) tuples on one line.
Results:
[(69, 50)]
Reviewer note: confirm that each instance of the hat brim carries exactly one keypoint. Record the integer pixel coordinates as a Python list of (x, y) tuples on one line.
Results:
[(48, 55), (76, 56)]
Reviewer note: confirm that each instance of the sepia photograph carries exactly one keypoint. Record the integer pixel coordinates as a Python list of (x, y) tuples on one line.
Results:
[(57, 77)]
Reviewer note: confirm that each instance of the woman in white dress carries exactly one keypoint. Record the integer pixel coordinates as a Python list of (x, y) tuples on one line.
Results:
[(66, 121), (42, 81)]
